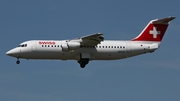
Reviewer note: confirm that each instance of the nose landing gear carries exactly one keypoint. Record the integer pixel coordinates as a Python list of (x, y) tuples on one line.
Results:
[(17, 62)]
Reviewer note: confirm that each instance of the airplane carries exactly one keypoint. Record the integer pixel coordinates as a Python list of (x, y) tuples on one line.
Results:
[(94, 47)]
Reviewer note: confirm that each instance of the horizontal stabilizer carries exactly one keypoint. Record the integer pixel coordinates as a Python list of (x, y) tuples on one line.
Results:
[(164, 20)]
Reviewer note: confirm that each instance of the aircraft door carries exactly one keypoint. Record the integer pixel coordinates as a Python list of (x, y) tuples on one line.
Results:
[(33, 46), (128, 48)]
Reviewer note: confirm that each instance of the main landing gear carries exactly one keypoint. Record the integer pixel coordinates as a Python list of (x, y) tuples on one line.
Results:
[(17, 62), (83, 62)]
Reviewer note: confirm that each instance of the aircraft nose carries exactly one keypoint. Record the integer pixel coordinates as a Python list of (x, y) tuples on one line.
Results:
[(13, 52), (9, 53)]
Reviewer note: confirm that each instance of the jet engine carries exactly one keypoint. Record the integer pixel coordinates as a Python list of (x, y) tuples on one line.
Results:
[(70, 46)]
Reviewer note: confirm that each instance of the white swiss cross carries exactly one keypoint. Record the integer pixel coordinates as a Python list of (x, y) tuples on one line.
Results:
[(154, 32)]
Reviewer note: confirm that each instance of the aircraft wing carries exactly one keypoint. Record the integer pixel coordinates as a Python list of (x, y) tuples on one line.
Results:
[(92, 39)]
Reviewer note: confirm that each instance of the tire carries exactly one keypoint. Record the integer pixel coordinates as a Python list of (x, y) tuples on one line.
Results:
[(82, 65), (18, 62)]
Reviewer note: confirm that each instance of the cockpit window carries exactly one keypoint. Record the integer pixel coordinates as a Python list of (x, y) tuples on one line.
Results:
[(23, 45)]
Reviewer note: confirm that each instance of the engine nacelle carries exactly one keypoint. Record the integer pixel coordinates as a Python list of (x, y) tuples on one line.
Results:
[(70, 46)]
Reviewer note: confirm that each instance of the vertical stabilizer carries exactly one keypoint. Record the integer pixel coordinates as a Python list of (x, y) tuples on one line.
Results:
[(154, 31)]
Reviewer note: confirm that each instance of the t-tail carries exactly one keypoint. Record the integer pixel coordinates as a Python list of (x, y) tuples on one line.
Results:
[(154, 31)]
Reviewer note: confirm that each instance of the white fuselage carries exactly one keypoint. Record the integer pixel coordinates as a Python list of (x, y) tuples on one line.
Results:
[(106, 50)]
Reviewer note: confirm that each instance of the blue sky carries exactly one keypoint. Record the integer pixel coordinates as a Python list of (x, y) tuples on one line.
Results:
[(149, 77)]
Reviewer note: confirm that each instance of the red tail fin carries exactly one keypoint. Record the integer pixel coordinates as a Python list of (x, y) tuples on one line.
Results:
[(154, 31)]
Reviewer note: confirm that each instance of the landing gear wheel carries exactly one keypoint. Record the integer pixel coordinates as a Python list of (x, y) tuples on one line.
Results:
[(83, 62), (82, 65), (17, 62)]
